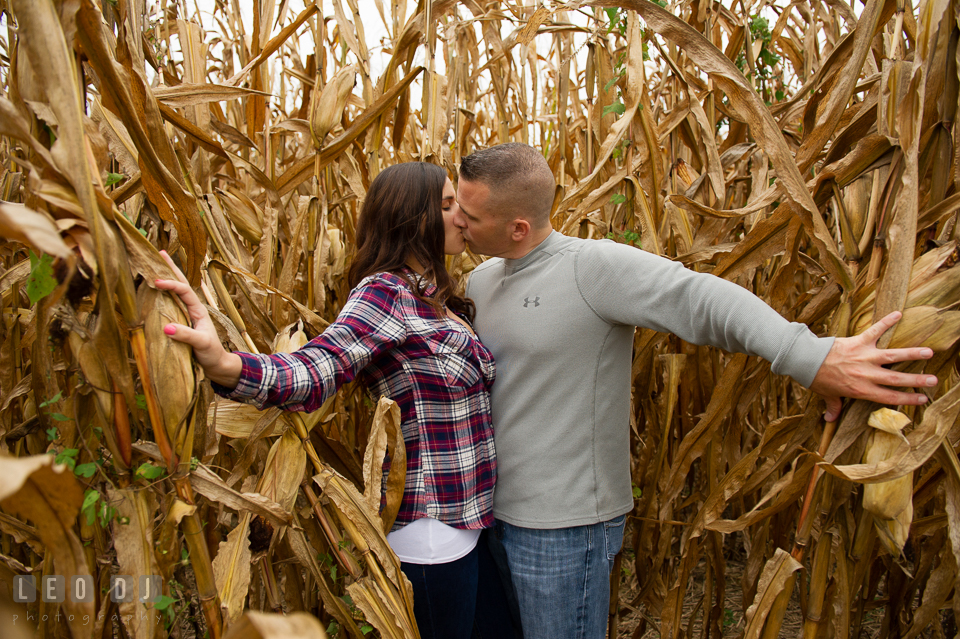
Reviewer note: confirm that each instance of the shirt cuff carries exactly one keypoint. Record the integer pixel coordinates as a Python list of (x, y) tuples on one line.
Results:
[(249, 388), (804, 355)]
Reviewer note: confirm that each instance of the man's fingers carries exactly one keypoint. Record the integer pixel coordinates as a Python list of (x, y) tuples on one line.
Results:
[(832, 411), (895, 355), (873, 333), (886, 377), (898, 398)]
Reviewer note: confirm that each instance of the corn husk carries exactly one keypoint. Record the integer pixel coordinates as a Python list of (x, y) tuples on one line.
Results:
[(171, 362), (888, 499), (327, 104)]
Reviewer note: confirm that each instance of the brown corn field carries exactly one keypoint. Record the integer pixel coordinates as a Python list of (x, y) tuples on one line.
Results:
[(805, 150)]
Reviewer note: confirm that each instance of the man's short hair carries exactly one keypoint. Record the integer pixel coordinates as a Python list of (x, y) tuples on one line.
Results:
[(519, 178)]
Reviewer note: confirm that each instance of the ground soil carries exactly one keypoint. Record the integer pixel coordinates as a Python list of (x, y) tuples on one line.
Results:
[(733, 623)]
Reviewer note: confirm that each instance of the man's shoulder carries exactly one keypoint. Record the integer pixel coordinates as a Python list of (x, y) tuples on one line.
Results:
[(487, 267), (607, 249), (579, 245)]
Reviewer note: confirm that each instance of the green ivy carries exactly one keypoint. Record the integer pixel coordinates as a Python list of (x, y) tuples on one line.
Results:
[(766, 59), (41, 281), (86, 470), (114, 178), (89, 506), (626, 237), (149, 471), (68, 456), (616, 107)]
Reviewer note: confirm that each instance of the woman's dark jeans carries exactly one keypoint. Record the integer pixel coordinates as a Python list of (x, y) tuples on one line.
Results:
[(445, 598)]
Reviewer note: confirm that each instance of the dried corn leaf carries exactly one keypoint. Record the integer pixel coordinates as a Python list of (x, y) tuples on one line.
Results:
[(20, 224), (385, 435), (189, 94), (133, 539), (778, 575), (745, 101), (263, 625), (351, 503), (208, 484), (924, 440), (888, 499), (231, 568), (37, 490), (371, 600), (306, 554), (283, 471), (239, 421)]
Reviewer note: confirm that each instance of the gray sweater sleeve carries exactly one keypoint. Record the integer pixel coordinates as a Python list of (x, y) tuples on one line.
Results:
[(625, 285)]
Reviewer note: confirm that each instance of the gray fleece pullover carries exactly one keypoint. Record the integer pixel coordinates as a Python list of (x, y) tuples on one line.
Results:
[(560, 323)]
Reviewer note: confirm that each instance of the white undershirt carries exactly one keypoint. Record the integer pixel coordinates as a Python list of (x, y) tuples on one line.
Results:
[(430, 541)]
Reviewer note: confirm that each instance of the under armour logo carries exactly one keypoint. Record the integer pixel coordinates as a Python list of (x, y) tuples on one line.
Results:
[(527, 301)]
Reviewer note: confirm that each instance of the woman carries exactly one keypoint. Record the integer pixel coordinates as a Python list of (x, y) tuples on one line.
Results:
[(406, 334)]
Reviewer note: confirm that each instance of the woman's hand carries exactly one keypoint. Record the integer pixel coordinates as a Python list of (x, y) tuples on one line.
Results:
[(219, 365)]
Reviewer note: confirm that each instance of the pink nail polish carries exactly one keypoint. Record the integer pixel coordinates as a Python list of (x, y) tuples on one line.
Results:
[(170, 329)]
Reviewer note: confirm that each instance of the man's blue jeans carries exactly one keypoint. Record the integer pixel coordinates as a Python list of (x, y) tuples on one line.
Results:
[(562, 577)]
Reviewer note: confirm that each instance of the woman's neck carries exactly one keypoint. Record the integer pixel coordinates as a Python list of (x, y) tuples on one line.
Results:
[(414, 265)]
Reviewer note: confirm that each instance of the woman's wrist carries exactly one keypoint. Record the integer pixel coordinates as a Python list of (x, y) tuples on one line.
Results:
[(227, 371)]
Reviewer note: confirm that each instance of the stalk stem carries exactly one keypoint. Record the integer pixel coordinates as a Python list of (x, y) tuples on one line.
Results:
[(347, 562), (200, 560), (805, 522)]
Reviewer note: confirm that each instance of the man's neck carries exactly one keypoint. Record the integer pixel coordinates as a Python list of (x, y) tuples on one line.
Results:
[(530, 242)]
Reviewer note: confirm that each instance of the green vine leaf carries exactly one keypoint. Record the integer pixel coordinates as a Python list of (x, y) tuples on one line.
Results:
[(41, 281)]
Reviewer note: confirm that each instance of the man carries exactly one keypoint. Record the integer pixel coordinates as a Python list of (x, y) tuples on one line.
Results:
[(558, 314)]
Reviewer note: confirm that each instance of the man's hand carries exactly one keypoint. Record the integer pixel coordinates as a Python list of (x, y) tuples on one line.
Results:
[(219, 365), (854, 368)]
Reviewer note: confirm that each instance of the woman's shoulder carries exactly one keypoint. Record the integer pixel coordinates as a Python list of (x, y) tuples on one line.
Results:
[(385, 280), (385, 285)]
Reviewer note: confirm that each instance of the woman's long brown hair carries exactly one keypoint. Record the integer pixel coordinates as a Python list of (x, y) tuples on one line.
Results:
[(400, 219)]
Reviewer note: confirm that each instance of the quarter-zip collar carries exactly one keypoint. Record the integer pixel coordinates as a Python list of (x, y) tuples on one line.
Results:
[(540, 251)]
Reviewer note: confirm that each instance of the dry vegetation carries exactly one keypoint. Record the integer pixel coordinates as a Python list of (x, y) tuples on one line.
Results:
[(804, 150)]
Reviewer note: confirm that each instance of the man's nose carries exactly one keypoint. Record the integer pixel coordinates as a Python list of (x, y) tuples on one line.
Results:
[(459, 220)]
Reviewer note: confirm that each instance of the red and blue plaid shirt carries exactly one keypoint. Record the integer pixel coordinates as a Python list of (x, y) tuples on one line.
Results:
[(435, 370)]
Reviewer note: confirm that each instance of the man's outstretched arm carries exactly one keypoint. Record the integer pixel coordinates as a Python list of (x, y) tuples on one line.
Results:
[(854, 368)]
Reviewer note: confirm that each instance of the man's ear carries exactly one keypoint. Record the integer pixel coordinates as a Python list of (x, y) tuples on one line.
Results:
[(520, 229)]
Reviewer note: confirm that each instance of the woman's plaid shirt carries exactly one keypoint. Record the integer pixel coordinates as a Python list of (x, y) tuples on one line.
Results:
[(435, 370)]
